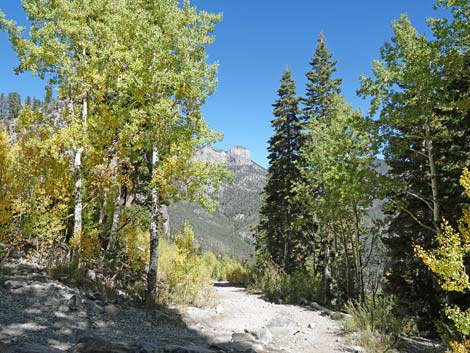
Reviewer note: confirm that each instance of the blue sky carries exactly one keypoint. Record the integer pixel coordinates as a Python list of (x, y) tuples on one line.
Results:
[(255, 42)]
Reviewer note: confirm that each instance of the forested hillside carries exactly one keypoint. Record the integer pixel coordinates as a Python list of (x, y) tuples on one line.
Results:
[(230, 228)]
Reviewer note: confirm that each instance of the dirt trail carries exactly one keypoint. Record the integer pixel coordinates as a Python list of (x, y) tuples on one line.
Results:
[(240, 316), (53, 317)]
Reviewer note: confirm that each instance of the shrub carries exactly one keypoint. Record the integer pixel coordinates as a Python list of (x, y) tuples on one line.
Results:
[(292, 288), (375, 323), (185, 275)]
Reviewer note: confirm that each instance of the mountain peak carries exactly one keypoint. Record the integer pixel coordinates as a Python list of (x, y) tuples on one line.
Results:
[(238, 155)]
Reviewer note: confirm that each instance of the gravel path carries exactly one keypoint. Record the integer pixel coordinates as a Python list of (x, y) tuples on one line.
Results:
[(239, 315), (36, 309)]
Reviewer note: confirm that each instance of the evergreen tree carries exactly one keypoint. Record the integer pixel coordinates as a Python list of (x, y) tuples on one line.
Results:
[(3, 105), (48, 96), (319, 103), (14, 105), (322, 88), (36, 104), (277, 234), (3, 111), (425, 145)]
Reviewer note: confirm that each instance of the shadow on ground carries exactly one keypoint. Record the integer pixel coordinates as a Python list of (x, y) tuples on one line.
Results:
[(37, 310)]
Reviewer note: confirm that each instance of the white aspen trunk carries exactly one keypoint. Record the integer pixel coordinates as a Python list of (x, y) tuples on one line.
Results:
[(155, 218), (77, 169), (77, 225)]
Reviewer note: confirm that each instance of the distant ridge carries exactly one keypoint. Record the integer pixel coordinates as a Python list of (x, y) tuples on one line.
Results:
[(230, 228)]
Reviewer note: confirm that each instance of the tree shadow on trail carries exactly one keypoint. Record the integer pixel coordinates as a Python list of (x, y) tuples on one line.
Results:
[(35, 309)]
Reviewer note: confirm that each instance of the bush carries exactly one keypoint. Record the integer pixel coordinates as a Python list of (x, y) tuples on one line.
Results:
[(184, 273), (292, 288), (375, 323)]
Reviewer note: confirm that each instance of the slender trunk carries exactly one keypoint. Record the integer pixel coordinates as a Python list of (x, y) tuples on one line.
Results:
[(433, 170), (346, 259), (116, 217), (78, 208), (103, 209), (314, 249), (152, 290), (77, 171), (287, 246), (360, 270), (336, 265), (327, 270)]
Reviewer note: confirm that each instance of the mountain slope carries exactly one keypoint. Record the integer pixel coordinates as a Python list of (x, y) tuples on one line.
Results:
[(229, 228)]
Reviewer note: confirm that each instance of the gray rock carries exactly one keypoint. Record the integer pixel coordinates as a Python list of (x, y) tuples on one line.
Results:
[(12, 284), (184, 349), (264, 336), (241, 346), (219, 309), (111, 310), (145, 347), (240, 337), (91, 275), (32, 348), (74, 303), (99, 345), (282, 327), (92, 306)]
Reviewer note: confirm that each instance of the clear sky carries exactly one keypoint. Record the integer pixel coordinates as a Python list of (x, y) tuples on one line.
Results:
[(255, 42)]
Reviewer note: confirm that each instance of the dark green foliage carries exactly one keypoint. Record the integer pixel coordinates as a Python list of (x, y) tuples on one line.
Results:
[(321, 86), (421, 87), (277, 234), (14, 105)]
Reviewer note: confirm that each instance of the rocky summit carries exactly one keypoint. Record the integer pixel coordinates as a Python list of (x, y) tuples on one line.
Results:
[(230, 227)]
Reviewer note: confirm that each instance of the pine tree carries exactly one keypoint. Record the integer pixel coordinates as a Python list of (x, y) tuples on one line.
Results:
[(322, 88), (3, 111), (277, 234), (425, 136), (3, 105), (14, 105), (319, 104)]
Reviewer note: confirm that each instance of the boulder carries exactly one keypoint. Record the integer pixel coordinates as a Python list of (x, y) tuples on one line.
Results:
[(264, 336), (12, 284), (111, 310), (74, 303)]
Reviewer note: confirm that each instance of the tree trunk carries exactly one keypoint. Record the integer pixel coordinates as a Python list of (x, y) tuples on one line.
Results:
[(327, 271), (346, 259), (360, 270), (103, 210), (77, 213), (336, 265), (77, 171), (155, 223), (432, 166), (116, 218)]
